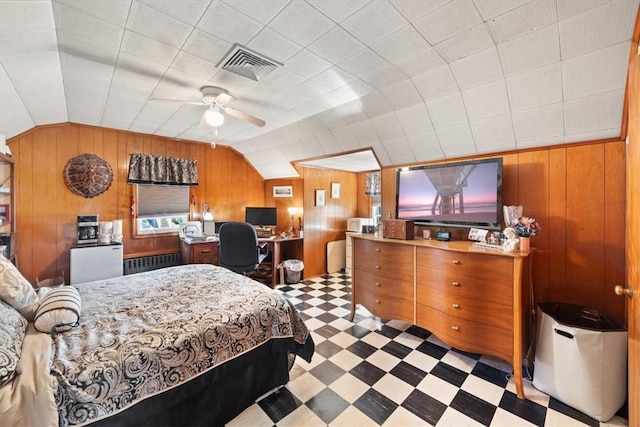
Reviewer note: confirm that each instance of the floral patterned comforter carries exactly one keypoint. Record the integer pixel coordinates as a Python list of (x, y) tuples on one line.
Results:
[(145, 333)]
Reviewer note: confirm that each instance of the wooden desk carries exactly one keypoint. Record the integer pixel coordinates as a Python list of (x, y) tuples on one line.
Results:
[(207, 252), (281, 249)]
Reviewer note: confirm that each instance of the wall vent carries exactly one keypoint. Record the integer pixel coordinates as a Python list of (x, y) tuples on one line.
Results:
[(148, 263), (246, 63)]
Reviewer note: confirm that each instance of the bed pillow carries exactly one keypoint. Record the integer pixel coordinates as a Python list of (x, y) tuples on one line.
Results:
[(12, 331), (16, 291), (59, 310)]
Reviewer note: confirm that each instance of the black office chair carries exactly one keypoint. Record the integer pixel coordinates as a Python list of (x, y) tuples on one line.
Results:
[(238, 249)]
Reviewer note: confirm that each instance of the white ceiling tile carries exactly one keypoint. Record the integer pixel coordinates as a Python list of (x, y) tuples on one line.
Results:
[(456, 140), (421, 62), (273, 45), (491, 8), (594, 113), (76, 24), (262, 11), (387, 126), (494, 133), (331, 119), (447, 21), (414, 119), (436, 83), (364, 133), (336, 45), (381, 154), (327, 141), (39, 82), (384, 77), (425, 145), (226, 23), (301, 22), (486, 101), (464, 44), (14, 117), (447, 111), (72, 45), (310, 89), (157, 26), (113, 11), (345, 139), (187, 11), (374, 21), (351, 112), (600, 71), (530, 51), (86, 84), (333, 78), (399, 150), (362, 63), (207, 47), (525, 19), (37, 42), (338, 10), (374, 104), (21, 16), (401, 95), (282, 79), (569, 8), (538, 123), (147, 49), (401, 44), (536, 88), (477, 69), (413, 10), (193, 65), (306, 64), (597, 28)]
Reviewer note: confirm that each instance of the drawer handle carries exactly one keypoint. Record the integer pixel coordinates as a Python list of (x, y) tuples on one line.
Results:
[(455, 283), (377, 284), (455, 328), (205, 251), (377, 249), (455, 305), (378, 267), (455, 261), (377, 301)]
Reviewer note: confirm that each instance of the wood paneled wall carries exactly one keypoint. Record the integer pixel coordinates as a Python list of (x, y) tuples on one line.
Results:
[(46, 209), (577, 194)]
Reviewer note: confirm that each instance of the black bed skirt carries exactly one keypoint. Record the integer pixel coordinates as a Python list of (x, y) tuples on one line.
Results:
[(218, 396)]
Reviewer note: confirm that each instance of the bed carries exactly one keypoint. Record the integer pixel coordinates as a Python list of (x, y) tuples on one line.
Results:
[(186, 345)]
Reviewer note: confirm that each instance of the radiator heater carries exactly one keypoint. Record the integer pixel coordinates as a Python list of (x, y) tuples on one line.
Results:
[(148, 263)]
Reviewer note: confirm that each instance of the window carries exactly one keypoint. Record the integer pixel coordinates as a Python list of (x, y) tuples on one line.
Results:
[(161, 208)]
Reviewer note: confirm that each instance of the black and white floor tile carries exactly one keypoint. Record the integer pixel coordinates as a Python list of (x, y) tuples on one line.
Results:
[(373, 372)]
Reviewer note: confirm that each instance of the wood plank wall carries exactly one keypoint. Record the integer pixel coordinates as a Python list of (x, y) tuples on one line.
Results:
[(577, 194), (46, 209)]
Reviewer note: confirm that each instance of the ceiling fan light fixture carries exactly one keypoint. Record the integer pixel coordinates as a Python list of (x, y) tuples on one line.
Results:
[(214, 117)]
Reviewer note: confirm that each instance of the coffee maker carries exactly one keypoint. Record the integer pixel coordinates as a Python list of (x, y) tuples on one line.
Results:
[(87, 230)]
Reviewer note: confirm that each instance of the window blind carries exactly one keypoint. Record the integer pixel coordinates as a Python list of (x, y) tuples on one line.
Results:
[(154, 200)]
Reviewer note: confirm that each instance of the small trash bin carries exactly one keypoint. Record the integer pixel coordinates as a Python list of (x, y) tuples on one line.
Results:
[(581, 358), (293, 270)]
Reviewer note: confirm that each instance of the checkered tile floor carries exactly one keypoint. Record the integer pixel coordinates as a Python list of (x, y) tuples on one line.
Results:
[(378, 372)]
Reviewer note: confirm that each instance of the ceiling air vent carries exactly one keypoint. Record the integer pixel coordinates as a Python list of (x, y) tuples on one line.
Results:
[(247, 63)]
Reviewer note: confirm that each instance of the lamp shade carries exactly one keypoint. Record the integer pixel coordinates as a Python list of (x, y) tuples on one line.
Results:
[(292, 210), (372, 184), (214, 117)]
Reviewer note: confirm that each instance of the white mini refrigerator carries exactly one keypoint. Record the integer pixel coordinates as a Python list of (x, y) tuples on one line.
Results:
[(91, 263)]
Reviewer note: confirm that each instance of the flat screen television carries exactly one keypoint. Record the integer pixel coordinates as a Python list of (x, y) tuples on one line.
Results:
[(261, 217), (461, 194)]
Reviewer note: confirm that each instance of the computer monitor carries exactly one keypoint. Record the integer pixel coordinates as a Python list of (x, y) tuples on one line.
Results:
[(216, 227), (261, 217)]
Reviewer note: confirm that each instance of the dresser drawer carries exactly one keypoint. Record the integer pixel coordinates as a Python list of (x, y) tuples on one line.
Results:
[(384, 305), (466, 334), (463, 284), (370, 282), (482, 266), (385, 259), (487, 312), (204, 253)]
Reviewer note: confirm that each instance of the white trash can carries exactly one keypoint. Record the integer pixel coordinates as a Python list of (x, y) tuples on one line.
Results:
[(581, 358), (293, 270)]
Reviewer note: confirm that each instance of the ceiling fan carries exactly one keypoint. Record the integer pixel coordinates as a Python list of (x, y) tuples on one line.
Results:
[(217, 98)]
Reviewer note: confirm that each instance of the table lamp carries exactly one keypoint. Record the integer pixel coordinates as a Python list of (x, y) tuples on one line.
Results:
[(292, 212)]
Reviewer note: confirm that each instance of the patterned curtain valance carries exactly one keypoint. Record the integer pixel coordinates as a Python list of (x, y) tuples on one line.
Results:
[(146, 169)]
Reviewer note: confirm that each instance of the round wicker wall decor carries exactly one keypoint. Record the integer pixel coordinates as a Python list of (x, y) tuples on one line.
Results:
[(87, 175)]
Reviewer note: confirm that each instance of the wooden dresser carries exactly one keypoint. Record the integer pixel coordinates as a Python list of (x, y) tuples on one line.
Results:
[(477, 300)]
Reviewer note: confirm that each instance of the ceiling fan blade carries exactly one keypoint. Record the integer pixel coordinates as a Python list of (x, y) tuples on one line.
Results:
[(224, 98), (244, 116), (177, 101)]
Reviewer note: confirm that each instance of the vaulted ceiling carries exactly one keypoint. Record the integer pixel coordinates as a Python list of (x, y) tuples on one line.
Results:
[(415, 80)]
